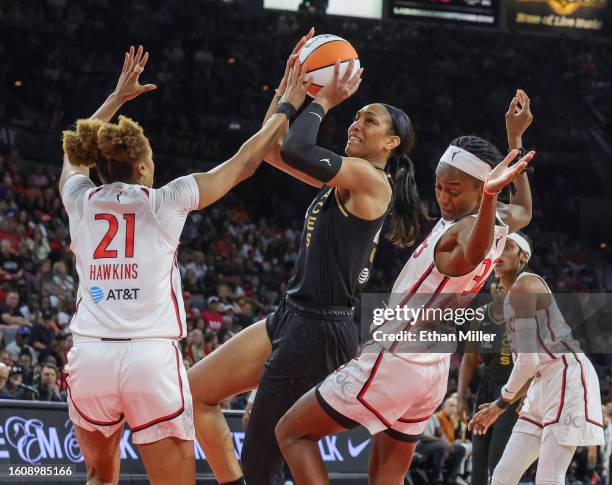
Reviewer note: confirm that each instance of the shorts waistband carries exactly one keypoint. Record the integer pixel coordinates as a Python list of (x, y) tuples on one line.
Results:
[(77, 339), (319, 312)]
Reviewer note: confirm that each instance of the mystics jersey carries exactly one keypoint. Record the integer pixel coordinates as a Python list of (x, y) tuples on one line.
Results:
[(421, 285), (554, 336), (336, 253), (125, 238)]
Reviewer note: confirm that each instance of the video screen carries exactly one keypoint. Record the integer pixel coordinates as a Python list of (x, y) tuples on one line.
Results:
[(368, 9)]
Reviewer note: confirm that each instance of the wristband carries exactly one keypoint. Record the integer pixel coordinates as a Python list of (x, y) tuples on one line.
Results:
[(287, 109), (502, 403)]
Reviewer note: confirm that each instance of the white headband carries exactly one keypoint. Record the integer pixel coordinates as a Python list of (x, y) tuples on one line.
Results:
[(521, 241), (466, 162)]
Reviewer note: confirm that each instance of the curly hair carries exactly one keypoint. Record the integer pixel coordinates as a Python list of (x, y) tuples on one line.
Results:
[(114, 149)]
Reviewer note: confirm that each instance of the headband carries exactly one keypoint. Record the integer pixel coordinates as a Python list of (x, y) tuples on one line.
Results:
[(521, 241), (466, 162)]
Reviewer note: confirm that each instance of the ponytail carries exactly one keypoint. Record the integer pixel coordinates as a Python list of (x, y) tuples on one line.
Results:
[(407, 209)]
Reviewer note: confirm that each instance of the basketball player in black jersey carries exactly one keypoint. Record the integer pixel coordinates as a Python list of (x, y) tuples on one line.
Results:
[(312, 332), (493, 374)]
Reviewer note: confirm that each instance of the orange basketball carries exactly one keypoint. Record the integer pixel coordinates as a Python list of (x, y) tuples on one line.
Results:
[(321, 53)]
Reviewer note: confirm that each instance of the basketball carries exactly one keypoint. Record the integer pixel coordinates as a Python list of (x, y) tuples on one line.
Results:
[(320, 54)]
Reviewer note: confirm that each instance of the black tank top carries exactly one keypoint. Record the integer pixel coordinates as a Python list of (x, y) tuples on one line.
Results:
[(336, 253), (496, 355)]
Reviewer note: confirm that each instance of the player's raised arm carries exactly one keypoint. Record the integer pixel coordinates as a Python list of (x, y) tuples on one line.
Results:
[(128, 87), (215, 183), (273, 157), (300, 149), (468, 245), (517, 214)]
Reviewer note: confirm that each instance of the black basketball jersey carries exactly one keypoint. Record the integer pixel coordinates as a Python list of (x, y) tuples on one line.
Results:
[(336, 253), (496, 355)]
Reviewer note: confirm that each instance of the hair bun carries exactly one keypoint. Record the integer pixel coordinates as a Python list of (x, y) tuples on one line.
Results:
[(81, 145)]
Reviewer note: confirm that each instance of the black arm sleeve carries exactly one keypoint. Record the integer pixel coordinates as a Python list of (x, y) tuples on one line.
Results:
[(300, 150)]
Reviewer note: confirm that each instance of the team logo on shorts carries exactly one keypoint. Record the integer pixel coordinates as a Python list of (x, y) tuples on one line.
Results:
[(363, 276), (97, 295)]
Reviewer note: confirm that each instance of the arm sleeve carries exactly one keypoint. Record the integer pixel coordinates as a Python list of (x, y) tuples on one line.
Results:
[(300, 151), (528, 358), (174, 201)]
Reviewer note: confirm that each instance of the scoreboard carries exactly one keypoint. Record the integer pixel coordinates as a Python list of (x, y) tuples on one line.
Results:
[(475, 12)]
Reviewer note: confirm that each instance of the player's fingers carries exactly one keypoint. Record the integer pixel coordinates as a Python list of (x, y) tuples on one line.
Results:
[(298, 46), (349, 71), (513, 104), (138, 54), (126, 58), (144, 60), (336, 71), (511, 156), (149, 87)]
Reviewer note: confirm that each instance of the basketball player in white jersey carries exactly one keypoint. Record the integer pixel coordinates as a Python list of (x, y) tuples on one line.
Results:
[(125, 365), (395, 387), (562, 409)]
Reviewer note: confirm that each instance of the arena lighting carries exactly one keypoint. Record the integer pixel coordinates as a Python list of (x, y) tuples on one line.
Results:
[(231, 60), (18, 83)]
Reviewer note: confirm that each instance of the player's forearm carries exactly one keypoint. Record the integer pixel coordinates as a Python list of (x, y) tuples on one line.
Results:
[(108, 109), (271, 109), (522, 199), (480, 237), (466, 374), (252, 152)]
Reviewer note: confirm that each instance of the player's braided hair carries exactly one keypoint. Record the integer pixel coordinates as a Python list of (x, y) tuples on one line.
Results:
[(114, 149), (407, 209)]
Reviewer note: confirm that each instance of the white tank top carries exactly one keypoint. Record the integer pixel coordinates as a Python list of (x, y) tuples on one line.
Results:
[(554, 336), (421, 285), (129, 281)]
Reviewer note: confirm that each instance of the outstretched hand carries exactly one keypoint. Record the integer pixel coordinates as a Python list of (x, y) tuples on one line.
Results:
[(518, 116), (340, 88), (503, 174), (128, 86), (292, 60), (297, 86)]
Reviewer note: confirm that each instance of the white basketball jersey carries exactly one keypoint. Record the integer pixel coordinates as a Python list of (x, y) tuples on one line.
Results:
[(129, 281), (554, 336), (421, 285)]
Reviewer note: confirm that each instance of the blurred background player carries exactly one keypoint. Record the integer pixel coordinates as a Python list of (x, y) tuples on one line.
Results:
[(125, 364), (562, 408), (395, 387), (313, 331), (492, 362)]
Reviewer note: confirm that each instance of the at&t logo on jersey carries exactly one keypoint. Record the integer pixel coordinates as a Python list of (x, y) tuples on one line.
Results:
[(97, 294)]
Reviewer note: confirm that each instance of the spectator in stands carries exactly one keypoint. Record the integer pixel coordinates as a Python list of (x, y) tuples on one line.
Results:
[(61, 286), (10, 315), (436, 447), (212, 316), (42, 336), (11, 267), (20, 344), (211, 342), (6, 358), (456, 451), (47, 389), (4, 377), (196, 345), (25, 363), (191, 312), (14, 382)]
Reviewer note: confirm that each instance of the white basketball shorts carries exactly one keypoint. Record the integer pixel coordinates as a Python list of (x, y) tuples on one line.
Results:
[(139, 381), (383, 392)]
